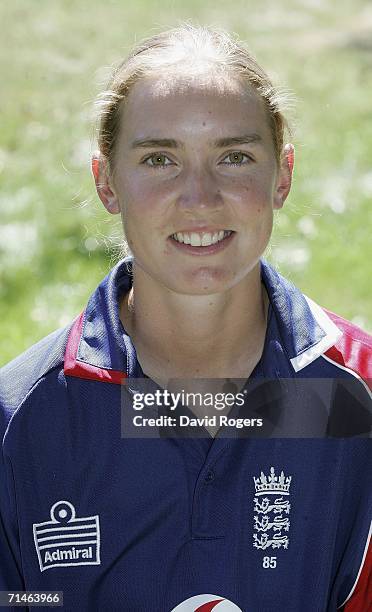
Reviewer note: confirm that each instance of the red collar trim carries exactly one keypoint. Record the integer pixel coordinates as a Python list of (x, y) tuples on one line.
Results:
[(79, 369)]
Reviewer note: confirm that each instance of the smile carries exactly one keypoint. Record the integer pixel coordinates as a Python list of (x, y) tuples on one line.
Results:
[(202, 243), (201, 239)]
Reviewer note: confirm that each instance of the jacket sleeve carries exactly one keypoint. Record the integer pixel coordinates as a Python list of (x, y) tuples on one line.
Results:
[(360, 598), (16, 380), (349, 591), (10, 557)]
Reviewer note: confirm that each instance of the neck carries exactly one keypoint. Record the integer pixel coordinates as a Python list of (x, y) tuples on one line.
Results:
[(219, 335)]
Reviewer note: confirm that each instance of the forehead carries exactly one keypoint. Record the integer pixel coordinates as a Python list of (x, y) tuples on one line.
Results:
[(181, 106)]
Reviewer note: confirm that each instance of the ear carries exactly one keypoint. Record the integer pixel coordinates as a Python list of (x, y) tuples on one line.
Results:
[(285, 173), (103, 182)]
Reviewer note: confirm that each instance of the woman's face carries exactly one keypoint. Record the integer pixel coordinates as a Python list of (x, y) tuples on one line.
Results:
[(191, 163)]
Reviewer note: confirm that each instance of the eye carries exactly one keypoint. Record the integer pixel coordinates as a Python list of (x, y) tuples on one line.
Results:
[(157, 160), (236, 158)]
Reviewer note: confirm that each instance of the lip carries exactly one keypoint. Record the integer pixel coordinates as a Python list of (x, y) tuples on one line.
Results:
[(202, 229), (199, 250)]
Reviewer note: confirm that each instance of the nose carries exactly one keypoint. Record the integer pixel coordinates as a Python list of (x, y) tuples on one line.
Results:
[(199, 191)]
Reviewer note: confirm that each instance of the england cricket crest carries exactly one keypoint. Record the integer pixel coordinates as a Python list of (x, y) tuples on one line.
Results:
[(271, 510)]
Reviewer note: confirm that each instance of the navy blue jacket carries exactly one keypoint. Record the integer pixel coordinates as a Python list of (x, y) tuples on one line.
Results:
[(143, 524)]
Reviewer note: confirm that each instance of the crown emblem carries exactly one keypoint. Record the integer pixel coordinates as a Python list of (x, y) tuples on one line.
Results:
[(272, 484)]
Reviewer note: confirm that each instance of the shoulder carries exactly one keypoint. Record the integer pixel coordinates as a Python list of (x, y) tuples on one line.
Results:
[(353, 348), (20, 375), (316, 342)]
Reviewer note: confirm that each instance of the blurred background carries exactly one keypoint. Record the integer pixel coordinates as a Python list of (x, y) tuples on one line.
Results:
[(56, 240)]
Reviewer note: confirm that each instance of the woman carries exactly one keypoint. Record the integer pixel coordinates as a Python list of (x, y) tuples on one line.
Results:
[(191, 154)]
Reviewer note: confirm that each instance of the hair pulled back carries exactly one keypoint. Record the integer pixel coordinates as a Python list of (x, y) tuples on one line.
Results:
[(186, 46)]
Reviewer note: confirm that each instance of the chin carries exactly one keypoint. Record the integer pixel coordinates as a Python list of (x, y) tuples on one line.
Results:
[(205, 280)]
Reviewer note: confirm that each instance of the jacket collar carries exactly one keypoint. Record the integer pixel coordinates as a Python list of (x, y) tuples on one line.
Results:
[(98, 347)]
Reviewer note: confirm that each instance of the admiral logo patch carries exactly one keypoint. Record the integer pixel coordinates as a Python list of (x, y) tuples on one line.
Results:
[(66, 540)]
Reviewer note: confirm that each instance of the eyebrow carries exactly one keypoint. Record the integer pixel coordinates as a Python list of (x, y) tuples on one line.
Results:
[(169, 143)]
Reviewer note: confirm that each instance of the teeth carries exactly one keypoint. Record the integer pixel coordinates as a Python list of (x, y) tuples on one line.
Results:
[(205, 239), (195, 240)]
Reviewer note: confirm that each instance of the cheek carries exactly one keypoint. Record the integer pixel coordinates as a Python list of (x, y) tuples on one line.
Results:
[(132, 196), (141, 197), (140, 217), (252, 197)]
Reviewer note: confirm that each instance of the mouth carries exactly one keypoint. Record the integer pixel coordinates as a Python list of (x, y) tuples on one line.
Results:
[(202, 243)]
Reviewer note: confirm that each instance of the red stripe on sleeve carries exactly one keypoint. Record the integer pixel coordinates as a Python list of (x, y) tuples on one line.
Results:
[(361, 599), (353, 350)]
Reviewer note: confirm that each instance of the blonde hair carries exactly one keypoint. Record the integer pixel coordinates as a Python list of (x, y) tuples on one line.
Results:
[(184, 47)]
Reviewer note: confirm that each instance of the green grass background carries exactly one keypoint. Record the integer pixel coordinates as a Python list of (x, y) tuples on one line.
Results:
[(56, 240)]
